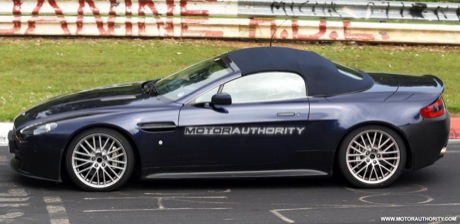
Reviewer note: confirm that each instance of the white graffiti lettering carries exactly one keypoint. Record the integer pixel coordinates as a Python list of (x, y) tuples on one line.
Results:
[(211, 130)]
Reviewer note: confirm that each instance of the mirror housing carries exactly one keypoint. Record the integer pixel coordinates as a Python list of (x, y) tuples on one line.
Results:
[(221, 99)]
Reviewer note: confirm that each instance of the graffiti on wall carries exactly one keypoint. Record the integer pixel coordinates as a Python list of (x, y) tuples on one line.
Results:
[(143, 11), (217, 19), (369, 10), (148, 18), (294, 31)]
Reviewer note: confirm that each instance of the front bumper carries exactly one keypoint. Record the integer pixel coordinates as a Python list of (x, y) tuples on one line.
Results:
[(15, 164), (34, 158), (11, 143)]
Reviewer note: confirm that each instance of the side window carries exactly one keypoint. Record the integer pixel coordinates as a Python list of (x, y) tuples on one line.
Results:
[(267, 86)]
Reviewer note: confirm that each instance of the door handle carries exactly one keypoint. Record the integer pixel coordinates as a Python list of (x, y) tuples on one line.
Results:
[(285, 114)]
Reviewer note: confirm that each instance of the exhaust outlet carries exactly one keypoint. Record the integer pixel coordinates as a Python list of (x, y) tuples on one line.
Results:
[(443, 152)]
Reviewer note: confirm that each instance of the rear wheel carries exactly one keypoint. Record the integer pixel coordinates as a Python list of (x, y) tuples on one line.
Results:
[(99, 160), (372, 156)]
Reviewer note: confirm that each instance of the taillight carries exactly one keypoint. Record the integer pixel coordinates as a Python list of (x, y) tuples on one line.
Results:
[(434, 110)]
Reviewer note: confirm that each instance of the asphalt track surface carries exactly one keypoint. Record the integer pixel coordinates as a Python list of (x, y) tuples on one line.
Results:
[(430, 192)]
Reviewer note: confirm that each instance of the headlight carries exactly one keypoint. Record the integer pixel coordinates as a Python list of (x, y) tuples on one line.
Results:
[(36, 129)]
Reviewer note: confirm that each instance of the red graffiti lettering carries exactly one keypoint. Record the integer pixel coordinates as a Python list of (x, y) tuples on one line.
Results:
[(254, 24), (113, 4), (333, 35), (150, 5), (284, 34), (185, 12), (193, 20), (170, 7), (197, 33), (129, 14), (99, 22), (17, 7), (16, 20), (169, 25), (32, 21), (316, 36), (355, 36)]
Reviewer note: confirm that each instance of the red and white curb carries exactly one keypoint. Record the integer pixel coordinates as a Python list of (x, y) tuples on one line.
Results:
[(454, 128)]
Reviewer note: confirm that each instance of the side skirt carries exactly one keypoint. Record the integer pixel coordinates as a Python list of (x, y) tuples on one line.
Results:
[(237, 174)]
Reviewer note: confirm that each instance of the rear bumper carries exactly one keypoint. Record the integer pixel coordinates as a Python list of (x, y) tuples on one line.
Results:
[(427, 141)]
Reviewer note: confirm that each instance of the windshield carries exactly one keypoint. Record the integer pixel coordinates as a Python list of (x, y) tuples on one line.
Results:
[(192, 78)]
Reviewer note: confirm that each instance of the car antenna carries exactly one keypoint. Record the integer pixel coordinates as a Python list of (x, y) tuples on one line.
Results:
[(274, 32)]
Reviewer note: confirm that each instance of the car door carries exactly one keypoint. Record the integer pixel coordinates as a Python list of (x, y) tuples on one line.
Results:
[(264, 124)]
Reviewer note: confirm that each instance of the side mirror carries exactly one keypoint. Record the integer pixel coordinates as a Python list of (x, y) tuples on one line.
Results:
[(221, 99)]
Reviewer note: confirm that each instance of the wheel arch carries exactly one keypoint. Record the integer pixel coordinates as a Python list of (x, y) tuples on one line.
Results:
[(375, 123), (122, 131)]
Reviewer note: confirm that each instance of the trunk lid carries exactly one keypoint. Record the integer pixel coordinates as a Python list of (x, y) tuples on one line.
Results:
[(409, 87)]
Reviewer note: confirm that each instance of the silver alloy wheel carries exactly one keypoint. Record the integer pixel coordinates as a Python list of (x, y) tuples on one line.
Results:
[(373, 156), (99, 160)]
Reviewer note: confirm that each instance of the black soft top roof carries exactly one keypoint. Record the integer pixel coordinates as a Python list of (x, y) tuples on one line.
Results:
[(320, 74)]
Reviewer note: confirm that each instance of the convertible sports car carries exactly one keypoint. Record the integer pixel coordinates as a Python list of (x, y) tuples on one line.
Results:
[(257, 112)]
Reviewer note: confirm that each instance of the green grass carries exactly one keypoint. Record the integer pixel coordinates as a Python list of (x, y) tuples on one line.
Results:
[(34, 69)]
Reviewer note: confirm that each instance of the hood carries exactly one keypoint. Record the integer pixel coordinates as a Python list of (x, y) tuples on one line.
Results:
[(110, 97)]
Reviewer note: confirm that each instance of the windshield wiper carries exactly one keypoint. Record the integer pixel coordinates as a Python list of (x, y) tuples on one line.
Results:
[(149, 87)]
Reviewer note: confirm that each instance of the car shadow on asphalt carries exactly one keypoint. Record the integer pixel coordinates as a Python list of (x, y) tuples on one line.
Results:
[(421, 177)]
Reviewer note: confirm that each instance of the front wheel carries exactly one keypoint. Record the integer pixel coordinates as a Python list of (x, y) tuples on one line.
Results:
[(372, 156), (99, 160)]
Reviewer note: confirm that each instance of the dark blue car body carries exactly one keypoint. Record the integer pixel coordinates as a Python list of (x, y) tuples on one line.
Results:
[(181, 138)]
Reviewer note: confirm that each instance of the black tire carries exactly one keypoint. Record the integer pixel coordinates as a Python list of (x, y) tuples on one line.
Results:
[(99, 159), (372, 157)]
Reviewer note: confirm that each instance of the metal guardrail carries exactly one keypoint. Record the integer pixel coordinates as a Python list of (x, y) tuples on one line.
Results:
[(246, 19), (345, 9)]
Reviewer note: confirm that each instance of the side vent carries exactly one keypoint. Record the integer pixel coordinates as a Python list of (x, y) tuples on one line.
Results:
[(157, 126)]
